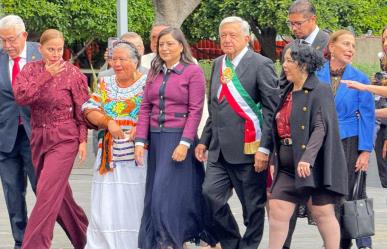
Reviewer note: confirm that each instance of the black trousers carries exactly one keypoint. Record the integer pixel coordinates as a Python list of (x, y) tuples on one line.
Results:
[(14, 169), (382, 164), (221, 178)]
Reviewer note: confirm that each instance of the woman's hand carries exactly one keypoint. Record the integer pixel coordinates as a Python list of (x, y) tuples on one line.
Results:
[(355, 85), (180, 153), (115, 130), (303, 169), (55, 68), (132, 134), (362, 161), (139, 154), (82, 152)]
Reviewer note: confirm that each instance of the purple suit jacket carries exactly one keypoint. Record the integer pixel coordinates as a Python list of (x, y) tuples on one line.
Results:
[(172, 102)]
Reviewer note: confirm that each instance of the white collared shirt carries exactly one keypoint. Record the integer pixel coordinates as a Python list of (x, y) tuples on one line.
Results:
[(22, 62), (238, 58), (312, 36), (165, 67)]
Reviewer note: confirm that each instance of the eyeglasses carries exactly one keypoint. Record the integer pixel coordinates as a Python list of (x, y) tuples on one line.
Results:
[(296, 24), (10, 40)]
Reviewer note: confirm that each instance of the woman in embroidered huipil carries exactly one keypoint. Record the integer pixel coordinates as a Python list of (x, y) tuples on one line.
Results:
[(169, 117), (355, 111), (118, 187), (55, 90)]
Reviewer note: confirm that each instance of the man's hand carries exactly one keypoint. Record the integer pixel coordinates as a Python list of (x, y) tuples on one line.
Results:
[(261, 161), (200, 152), (180, 153), (303, 169)]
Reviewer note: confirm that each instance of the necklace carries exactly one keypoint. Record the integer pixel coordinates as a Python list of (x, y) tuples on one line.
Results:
[(336, 76)]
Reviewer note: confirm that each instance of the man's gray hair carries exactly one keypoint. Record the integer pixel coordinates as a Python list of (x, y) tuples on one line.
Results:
[(12, 22), (236, 19), (304, 7), (131, 35)]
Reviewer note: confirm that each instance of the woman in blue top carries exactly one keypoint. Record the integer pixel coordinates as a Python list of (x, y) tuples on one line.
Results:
[(355, 112)]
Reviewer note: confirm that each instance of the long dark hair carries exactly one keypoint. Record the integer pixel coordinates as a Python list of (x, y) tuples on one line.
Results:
[(186, 56)]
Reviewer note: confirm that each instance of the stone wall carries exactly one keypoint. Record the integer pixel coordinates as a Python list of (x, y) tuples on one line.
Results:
[(367, 49)]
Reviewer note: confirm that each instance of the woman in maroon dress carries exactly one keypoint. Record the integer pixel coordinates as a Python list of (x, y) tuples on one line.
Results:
[(55, 90)]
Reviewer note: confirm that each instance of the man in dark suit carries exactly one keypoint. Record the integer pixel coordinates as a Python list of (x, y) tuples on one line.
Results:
[(231, 161), (302, 21), (15, 129)]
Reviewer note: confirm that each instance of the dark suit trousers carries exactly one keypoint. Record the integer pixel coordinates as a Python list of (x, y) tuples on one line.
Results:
[(14, 169), (250, 187), (382, 164)]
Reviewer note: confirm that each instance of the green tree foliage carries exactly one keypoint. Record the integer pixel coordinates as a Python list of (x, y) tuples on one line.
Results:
[(361, 15), (81, 20), (268, 17)]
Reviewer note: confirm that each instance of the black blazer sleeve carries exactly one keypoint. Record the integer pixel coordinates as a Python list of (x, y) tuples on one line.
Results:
[(269, 97), (207, 130)]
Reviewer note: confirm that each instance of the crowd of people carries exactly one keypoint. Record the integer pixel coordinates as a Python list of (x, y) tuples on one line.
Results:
[(279, 143)]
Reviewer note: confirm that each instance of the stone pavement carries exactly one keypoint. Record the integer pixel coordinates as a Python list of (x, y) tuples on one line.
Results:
[(305, 236)]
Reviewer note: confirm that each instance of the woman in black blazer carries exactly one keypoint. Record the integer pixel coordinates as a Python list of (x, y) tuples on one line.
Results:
[(308, 156)]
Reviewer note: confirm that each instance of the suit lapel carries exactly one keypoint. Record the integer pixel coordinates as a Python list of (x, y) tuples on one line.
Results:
[(319, 41), (216, 81), (4, 70), (240, 70), (325, 77), (342, 90), (243, 65)]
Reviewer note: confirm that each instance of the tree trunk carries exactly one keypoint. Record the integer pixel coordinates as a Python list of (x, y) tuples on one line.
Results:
[(173, 12), (266, 38), (267, 42)]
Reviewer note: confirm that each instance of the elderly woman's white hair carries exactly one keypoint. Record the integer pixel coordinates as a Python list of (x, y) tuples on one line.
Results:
[(236, 19), (12, 22)]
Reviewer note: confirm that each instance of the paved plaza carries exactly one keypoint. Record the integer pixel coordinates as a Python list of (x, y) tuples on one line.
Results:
[(305, 236)]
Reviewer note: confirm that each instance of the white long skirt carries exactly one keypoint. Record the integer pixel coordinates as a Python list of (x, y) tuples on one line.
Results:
[(117, 203)]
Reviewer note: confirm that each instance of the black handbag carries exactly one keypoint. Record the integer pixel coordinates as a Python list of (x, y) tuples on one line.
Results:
[(357, 215)]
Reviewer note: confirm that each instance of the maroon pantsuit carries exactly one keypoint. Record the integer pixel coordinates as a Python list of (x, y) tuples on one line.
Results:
[(57, 129)]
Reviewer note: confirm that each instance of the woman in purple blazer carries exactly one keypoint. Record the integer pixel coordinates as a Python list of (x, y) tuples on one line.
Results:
[(168, 120)]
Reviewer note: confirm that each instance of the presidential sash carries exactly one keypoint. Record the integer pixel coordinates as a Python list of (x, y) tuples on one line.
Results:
[(243, 105)]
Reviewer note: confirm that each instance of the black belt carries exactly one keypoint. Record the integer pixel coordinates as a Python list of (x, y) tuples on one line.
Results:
[(286, 141)]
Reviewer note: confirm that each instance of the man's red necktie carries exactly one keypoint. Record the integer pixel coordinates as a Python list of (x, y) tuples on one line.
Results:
[(15, 68), (15, 71)]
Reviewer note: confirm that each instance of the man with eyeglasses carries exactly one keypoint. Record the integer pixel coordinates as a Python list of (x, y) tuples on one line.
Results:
[(302, 21), (15, 129)]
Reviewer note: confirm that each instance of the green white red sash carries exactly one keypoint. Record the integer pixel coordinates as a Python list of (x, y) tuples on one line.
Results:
[(243, 105)]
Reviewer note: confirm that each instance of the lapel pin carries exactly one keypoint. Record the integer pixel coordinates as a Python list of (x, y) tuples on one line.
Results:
[(33, 57)]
